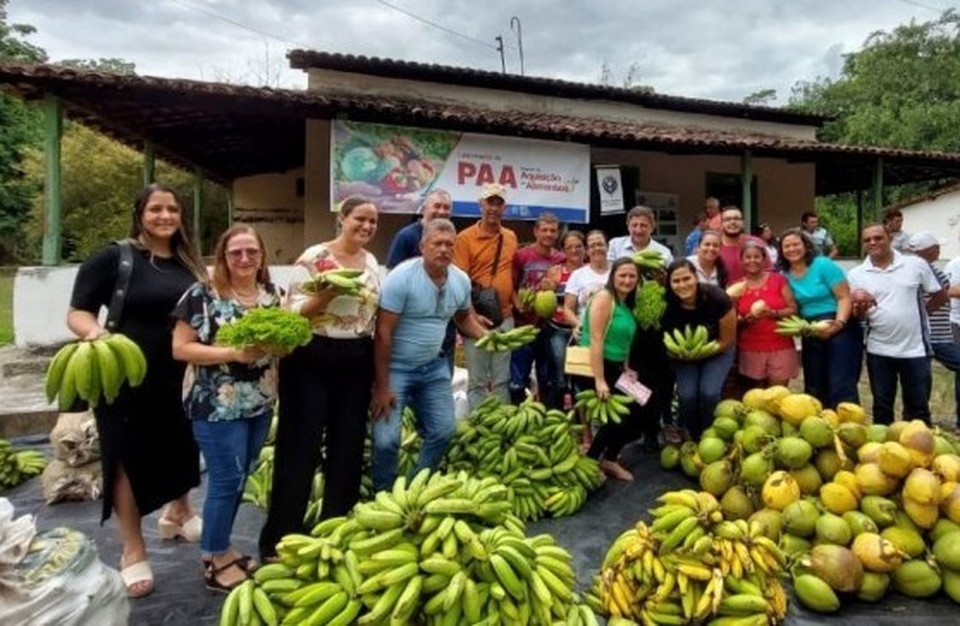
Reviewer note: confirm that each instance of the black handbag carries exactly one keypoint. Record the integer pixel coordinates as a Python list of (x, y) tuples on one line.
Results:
[(486, 300)]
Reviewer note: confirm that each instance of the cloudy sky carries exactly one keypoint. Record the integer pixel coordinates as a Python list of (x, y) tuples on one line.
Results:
[(718, 49)]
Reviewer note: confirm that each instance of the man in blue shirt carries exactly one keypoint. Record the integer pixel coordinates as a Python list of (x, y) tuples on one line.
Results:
[(418, 299)]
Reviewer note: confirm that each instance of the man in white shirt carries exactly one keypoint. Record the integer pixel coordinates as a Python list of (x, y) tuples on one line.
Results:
[(641, 223), (886, 291)]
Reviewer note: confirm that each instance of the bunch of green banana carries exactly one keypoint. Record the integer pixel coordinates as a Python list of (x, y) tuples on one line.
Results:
[(526, 297), (796, 326), (345, 281), (691, 344), (502, 341), (94, 369), (438, 549), (533, 451), (16, 466), (649, 260), (690, 565), (600, 411)]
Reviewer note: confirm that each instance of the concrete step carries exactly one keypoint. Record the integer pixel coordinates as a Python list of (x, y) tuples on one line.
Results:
[(24, 409)]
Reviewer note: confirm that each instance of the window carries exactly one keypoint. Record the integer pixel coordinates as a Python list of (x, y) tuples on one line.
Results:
[(728, 189)]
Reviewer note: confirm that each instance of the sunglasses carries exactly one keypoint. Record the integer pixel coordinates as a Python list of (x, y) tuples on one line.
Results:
[(250, 253)]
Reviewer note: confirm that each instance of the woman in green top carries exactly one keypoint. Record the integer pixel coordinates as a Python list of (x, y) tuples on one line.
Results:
[(608, 329)]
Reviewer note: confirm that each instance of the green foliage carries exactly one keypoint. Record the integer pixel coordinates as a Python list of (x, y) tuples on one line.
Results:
[(838, 214), (274, 329), (651, 304), (763, 97), (113, 65)]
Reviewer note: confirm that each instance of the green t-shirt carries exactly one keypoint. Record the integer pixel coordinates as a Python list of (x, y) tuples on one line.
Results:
[(619, 336)]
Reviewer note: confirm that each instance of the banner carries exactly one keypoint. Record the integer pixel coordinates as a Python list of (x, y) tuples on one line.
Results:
[(610, 188), (396, 167)]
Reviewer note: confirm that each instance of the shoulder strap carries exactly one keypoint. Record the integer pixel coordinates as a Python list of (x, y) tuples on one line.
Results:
[(496, 257), (124, 270)]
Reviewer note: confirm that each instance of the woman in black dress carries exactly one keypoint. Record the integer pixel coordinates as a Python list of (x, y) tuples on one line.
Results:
[(148, 452)]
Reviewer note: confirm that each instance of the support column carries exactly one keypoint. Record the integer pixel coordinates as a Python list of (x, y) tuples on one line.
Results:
[(878, 189), (230, 204), (52, 133), (197, 204), (149, 163), (746, 187)]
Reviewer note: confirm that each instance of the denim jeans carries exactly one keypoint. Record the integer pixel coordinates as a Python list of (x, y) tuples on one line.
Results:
[(539, 354), (699, 384), (556, 338), (230, 449), (487, 372), (915, 381), (831, 367), (427, 390)]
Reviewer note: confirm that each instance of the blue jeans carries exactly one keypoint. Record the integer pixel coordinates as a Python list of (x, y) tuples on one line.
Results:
[(915, 380), (521, 363), (699, 384), (831, 367), (427, 390), (230, 449), (488, 372), (556, 339)]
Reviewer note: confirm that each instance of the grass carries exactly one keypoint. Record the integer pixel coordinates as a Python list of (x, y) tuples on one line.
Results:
[(6, 304)]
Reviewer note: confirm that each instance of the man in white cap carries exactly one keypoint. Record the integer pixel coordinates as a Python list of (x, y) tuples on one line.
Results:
[(485, 252)]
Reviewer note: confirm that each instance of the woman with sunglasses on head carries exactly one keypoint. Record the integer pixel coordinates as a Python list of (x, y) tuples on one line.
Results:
[(147, 449), (326, 386), (230, 401), (832, 359)]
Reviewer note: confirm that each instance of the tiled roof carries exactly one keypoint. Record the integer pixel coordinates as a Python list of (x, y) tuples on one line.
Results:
[(392, 68), (232, 130)]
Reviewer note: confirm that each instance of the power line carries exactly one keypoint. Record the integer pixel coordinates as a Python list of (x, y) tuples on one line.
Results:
[(922, 5), (450, 31), (230, 20)]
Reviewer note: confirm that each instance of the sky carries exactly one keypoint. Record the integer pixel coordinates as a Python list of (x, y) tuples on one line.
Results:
[(714, 49)]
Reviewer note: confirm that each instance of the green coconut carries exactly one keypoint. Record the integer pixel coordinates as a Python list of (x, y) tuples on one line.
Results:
[(755, 469), (793, 452), (716, 478), (766, 421), (816, 431), (711, 449)]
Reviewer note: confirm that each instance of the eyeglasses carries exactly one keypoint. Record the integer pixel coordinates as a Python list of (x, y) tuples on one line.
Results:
[(732, 219), (250, 253)]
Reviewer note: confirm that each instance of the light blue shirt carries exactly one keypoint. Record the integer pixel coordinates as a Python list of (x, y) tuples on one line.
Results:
[(814, 291), (424, 311)]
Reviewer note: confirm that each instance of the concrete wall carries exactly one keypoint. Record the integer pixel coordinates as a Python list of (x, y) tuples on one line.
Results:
[(941, 216), (270, 203), (344, 83)]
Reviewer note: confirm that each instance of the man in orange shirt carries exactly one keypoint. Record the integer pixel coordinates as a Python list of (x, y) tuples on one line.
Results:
[(711, 206), (485, 252)]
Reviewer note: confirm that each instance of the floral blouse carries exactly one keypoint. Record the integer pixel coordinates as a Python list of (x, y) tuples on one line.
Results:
[(346, 317), (228, 391)]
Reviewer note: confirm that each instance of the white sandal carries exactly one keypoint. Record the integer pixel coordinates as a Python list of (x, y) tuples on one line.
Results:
[(139, 572), (188, 531)]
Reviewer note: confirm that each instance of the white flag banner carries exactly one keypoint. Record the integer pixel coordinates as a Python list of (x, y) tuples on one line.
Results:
[(611, 189)]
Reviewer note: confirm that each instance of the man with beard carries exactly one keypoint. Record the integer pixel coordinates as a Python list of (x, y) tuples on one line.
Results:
[(418, 300), (886, 292), (732, 239)]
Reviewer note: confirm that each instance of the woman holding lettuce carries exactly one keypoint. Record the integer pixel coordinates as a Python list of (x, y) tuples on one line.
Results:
[(233, 390), (326, 386)]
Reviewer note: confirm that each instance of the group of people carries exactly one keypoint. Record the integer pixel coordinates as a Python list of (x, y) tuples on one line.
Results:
[(391, 345)]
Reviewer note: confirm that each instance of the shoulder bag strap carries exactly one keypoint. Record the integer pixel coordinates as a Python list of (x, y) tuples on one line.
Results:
[(496, 258), (124, 270)]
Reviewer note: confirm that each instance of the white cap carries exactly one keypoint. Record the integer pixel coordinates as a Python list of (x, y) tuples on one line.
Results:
[(922, 241)]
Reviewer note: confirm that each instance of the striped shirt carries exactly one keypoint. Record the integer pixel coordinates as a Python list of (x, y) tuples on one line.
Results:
[(940, 331)]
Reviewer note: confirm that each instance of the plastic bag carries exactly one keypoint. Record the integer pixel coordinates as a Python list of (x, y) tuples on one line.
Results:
[(64, 483), (60, 581), (74, 438)]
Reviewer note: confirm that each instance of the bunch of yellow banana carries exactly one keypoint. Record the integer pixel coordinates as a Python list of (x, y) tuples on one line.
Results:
[(344, 281), (600, 411), (16, 466), (90, 370), (526, 297), (440, 549), (649, 260), (533, 451), (680, 568), (502, 341), (691, 343)]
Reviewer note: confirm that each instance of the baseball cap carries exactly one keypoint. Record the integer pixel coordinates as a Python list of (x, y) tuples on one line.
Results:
[(493, 190), (922, 241)]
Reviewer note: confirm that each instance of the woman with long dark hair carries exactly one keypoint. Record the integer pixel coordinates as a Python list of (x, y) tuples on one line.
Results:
[(832, 360), (699, 381), (707, 261), (148, 453), (608, 330)]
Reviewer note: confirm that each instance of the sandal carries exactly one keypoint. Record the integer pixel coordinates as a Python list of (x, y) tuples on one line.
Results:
[(210, 575), (136, 574), (244, 562), (188, 531)]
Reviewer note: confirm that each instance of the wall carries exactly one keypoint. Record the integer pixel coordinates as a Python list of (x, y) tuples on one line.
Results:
[(784, 190), (346, 83), (269, 203), (940, 216)]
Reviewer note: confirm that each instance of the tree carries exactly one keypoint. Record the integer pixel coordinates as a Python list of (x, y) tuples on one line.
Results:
[(763, 97), (902, 90), (113, 65)]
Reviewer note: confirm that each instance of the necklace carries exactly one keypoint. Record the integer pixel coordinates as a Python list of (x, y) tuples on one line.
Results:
[(246, 298)]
